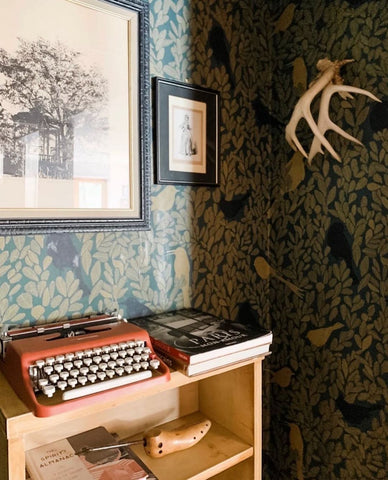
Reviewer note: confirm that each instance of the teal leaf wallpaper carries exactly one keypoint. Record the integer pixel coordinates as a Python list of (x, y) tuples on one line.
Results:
[(301, 249)]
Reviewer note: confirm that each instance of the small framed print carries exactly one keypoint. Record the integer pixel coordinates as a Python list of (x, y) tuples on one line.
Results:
[(187, 136)]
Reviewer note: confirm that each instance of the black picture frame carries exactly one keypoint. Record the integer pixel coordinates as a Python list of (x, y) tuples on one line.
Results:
[(134, 214), (187, 133)]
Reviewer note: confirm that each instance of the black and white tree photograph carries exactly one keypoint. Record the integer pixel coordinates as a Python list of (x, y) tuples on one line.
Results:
[(45, 89)]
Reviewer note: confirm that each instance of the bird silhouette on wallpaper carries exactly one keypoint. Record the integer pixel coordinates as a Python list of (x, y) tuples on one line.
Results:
[(294, 173), (66, 257), (61, 249), (182, 273), (219, 44), (285, 19), (360, 414), (340, 245), (265, 271), (282, 377), (297, 444), (378, 116), (246, 315), (232, 208), (319, 336), (263, 116)]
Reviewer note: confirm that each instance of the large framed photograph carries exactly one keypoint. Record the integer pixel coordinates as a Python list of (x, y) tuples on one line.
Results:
[(187, 137), (74, 115)]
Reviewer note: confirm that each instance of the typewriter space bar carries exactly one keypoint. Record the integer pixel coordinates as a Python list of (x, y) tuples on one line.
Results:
[(105, 385)]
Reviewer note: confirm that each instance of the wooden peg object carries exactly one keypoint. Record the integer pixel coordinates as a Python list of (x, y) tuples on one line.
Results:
[(158, 442)]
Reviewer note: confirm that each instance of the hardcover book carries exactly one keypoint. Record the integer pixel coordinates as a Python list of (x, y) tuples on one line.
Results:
[(59, 460), (213, 363), (191, 337)]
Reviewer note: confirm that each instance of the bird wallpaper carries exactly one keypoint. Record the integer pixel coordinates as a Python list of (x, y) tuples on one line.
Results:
[(297, 248)]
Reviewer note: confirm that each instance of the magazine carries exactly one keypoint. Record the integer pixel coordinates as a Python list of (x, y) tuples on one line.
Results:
[(193, 337), (59, 460)]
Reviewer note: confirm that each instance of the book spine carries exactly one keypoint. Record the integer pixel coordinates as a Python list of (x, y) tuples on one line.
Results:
[(170, 351), (173, 363)]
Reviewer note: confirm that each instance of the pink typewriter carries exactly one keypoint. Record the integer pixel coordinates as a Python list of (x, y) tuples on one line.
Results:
[(56, 367)]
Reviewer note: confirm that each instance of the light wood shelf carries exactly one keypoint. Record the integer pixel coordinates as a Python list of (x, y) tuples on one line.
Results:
[(230, 397)]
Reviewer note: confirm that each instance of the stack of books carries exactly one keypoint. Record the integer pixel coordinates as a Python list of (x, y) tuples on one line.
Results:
[(195, 342)]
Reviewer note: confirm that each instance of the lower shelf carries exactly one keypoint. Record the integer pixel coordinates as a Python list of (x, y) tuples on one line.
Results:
[(219, 450)]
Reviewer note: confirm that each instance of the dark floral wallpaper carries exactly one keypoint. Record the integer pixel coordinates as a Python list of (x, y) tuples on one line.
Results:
[(298, 248), (329, 236)]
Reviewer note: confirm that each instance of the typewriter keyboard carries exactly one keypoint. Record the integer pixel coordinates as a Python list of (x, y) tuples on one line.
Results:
[(84, 372)]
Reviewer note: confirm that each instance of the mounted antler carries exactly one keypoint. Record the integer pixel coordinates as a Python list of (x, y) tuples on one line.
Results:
[(329, 81)]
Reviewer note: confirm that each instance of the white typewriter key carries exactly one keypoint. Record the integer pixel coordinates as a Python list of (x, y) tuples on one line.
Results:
[(123, 345), (74, 373), (72, 382), (106, 349), (144, 365), (114, 355), (78, 363), (154, 363), (110, 373), (69, 356), (130, 351), (147, 350), (97, 359), (122, 353), (82, 379), (58, 367), (48, 369), (128, 369), (114, 347), (131, 344), (103, 366), (136, 366), (112, 364), (42, 382), (61, 384), (106, 385), (139, 350), (49, 360), (88, 361), (54, 378), (79, 353), (139, 343), (97, 350), (48, 390), (92, 377), (119, 371), (40, 363), (93, 368), (105, 357), (64, 375), (60, 358), (88, 352), (120, 362), (84, 370), (128, 360), (137, 358), (101, 375), (33, 372), (145, 356), (68, 365)]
